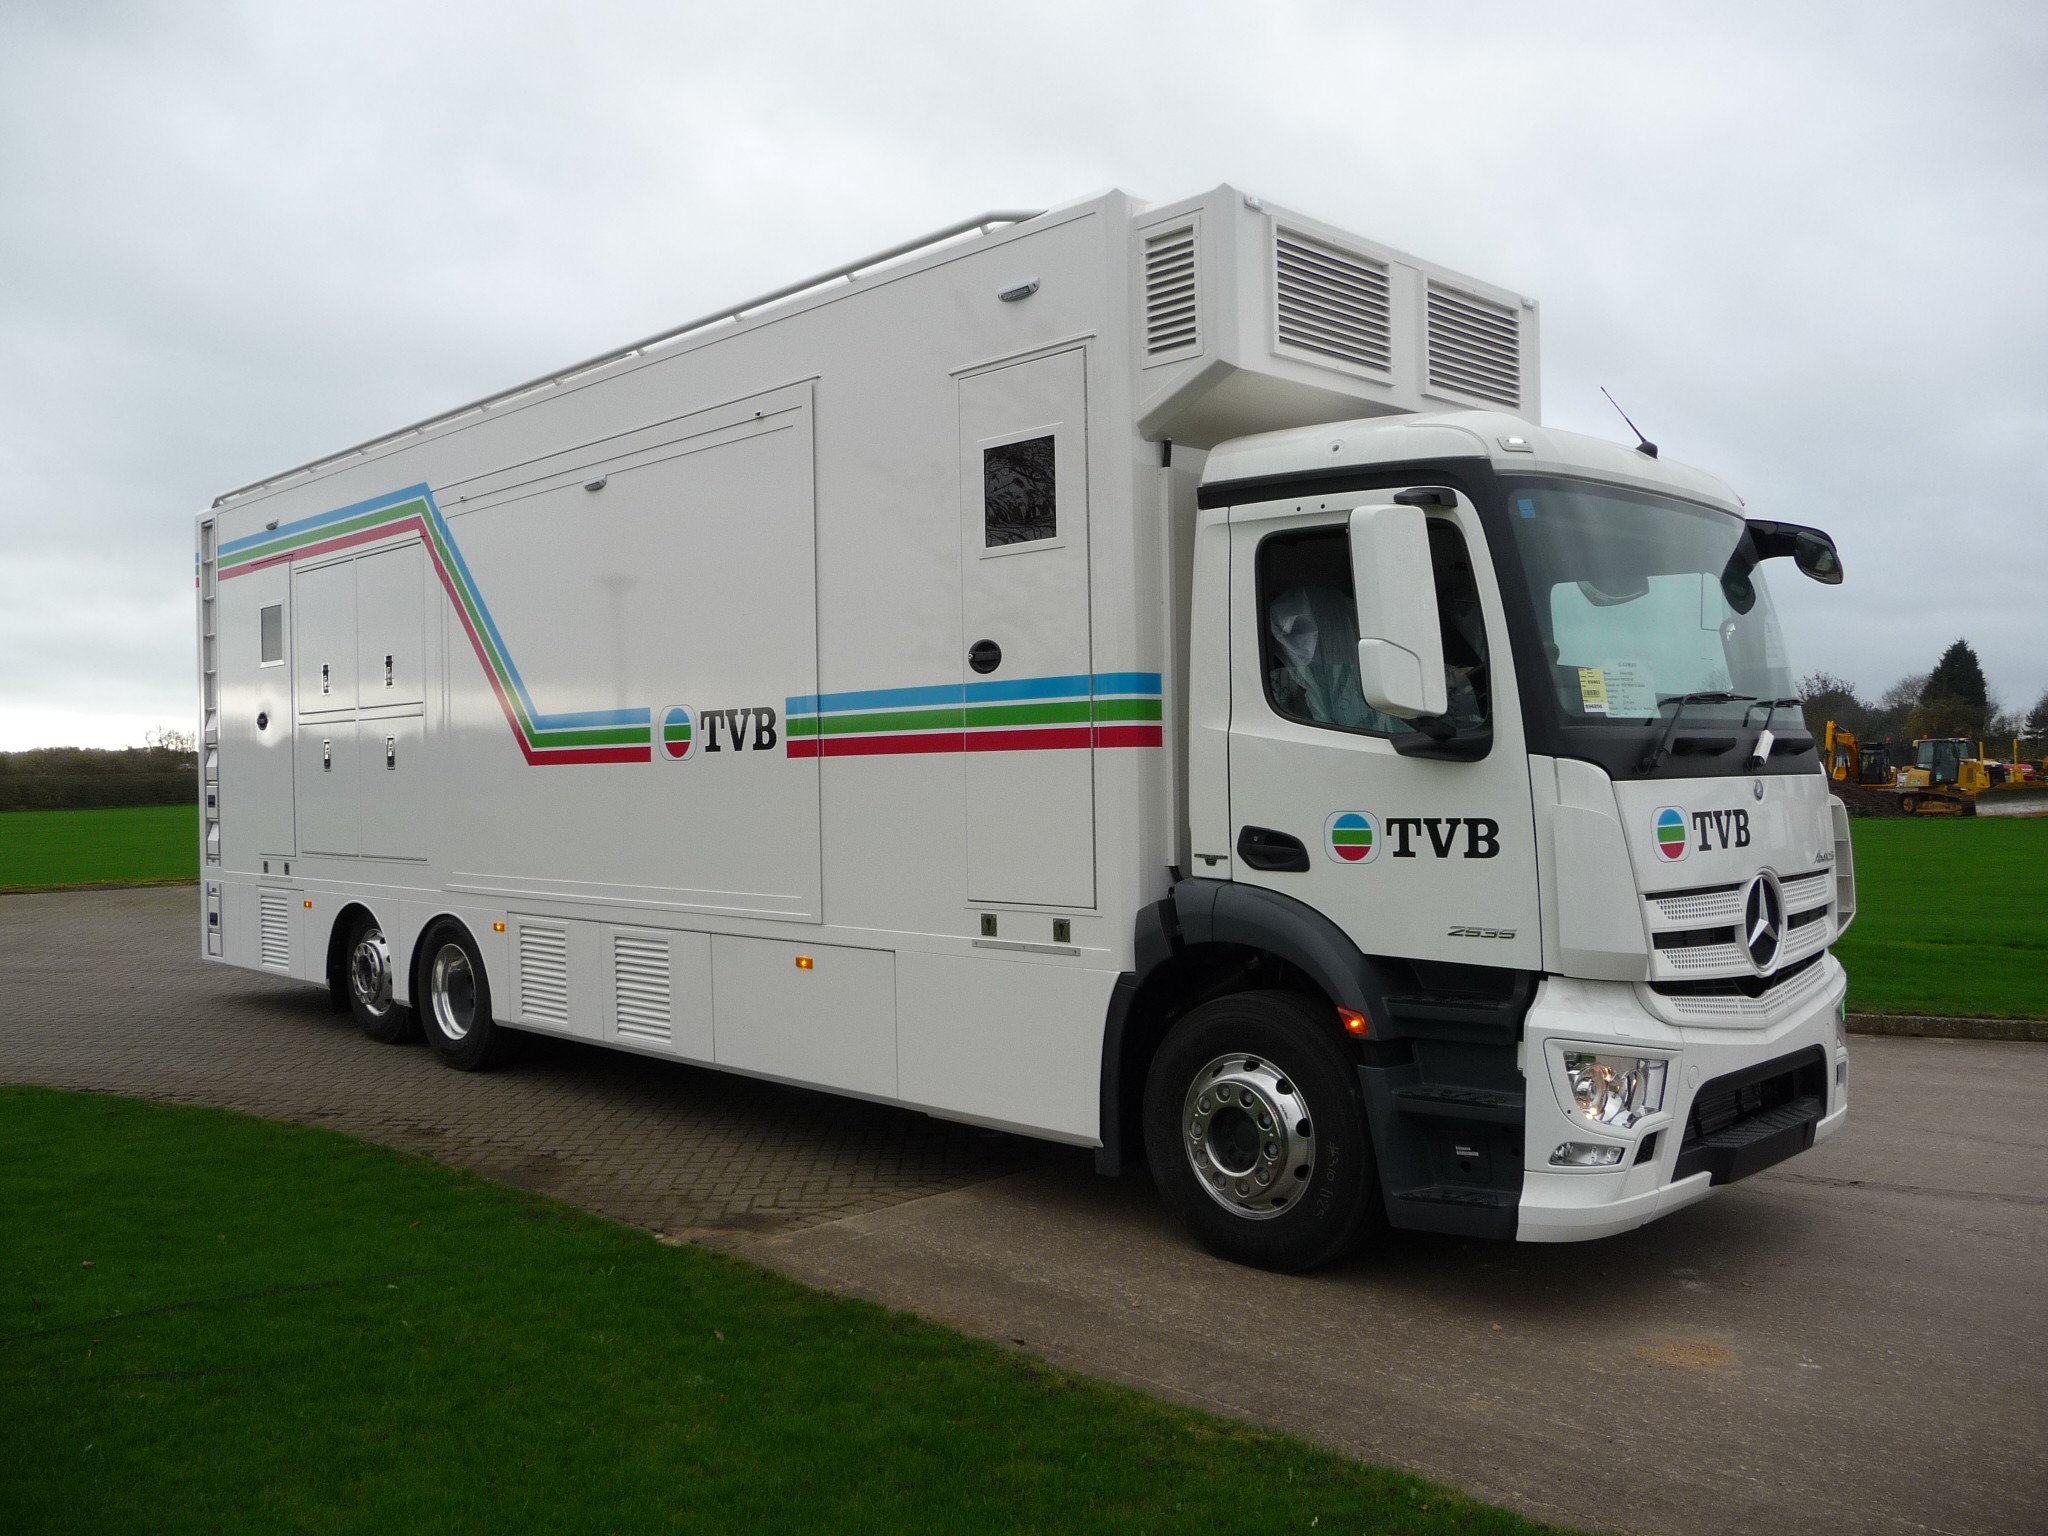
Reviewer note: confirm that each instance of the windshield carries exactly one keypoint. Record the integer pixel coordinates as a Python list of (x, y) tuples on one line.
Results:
[(1643, 599)]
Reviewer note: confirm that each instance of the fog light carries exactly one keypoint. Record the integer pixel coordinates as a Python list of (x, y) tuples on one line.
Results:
[(1615, 1090), (1584, 1154)]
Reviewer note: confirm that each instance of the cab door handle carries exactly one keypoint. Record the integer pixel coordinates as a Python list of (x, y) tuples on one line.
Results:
[(1263, 848)]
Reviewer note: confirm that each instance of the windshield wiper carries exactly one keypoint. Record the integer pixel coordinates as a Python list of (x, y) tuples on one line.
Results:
[(1663, 748), (1760, 753)]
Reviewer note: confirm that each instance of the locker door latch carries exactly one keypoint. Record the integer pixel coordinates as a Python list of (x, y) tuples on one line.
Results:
[(327, 756), (390, 751), (388, 680), (324, 679)]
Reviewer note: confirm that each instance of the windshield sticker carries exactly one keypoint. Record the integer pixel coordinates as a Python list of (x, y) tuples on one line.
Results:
[(1352, 837), (1774, 642), (1631, 690), (1526, 506), (1672, 841), (1592, 691)]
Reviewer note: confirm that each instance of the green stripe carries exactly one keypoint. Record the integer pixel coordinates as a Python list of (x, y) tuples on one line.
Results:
[(610, 736)]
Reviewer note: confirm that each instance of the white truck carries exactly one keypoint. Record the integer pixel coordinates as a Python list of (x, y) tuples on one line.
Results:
[(1135, 676)]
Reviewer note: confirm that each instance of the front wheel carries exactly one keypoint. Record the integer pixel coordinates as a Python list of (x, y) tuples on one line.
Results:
[(1255, 1128), (455, 1000)]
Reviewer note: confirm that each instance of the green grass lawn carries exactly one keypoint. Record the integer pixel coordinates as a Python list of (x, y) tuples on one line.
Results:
[(132, 846), (1952, 917), (210, 1322)]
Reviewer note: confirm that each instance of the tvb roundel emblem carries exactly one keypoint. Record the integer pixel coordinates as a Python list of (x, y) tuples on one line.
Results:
[(676, 734), (1673, 841), (1352, 837)]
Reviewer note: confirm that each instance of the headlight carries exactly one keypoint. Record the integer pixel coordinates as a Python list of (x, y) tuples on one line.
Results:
[(1615, 1090), (1584, 1154)]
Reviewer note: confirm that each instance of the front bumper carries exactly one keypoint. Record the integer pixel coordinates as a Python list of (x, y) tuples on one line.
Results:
[(1562, 1205)]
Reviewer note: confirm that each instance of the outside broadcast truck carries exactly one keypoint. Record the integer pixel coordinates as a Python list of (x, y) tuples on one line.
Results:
[(1135, 676)]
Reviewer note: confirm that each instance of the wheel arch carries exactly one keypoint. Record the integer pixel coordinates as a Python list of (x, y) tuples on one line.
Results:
[(338, 935), (1204, 940)]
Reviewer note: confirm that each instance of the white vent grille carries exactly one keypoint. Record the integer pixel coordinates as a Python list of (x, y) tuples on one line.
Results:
[(1475, 347), (1331, 302), (1172, 295), (274, 929), (640, 986), (1701, 907), (544, 974)]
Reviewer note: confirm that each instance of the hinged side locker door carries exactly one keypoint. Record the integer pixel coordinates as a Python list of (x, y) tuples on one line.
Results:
[(1025, 651)]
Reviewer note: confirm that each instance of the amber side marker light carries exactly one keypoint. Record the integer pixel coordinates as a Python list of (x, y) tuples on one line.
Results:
[(497, 927), (1355, 1023), (309, 904), (805, 963)]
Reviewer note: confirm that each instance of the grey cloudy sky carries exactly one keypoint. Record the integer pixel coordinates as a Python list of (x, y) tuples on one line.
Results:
[(1802, 243)]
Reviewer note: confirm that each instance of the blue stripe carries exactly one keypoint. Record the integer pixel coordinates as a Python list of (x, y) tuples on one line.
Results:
[(586, 719), (1076, 686), (341, 515)]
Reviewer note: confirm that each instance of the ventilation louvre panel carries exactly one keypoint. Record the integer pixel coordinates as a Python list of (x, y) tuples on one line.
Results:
[(1331, 302), (274, 929), (544, 974), (1475, 347), (1172, 295), (641, 987)]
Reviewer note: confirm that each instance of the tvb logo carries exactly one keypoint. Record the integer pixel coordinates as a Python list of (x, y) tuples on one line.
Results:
[(742, 730), (1728, 829)]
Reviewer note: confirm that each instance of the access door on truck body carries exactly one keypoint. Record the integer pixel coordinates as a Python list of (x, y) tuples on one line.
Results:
[(1027, 679), (1413, 857)]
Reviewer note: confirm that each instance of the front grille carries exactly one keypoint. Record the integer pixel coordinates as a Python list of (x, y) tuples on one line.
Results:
[(1748, 1120), (1736, 986)]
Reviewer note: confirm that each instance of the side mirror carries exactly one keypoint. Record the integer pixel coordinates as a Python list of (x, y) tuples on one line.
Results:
[(1811, 550), (1400, 645)]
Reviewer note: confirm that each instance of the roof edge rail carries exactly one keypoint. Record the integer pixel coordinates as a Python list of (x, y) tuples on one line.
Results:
[(983, 222)]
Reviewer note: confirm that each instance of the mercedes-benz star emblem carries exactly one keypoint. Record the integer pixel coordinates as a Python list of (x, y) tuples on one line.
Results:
[(1757, 789), (1763, 922)]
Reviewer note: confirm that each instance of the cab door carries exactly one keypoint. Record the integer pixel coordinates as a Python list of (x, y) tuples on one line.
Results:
[(1413, 857)]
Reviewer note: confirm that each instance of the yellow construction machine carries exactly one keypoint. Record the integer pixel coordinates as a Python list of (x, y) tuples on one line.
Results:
[(1944, 780), (1849, 762)]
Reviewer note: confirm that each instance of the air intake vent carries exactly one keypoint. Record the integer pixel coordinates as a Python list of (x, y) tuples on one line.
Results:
[(544, 974), (640, 986), (1331, 302), (274, 929), (1172, 297), (1475, 347)]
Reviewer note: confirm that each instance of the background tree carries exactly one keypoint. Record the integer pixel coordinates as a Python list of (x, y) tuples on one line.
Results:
[(1824, 697), (1955, 700)]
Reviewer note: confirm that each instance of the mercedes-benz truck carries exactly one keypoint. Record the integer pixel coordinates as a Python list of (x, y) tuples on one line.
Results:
[(1139, 676)]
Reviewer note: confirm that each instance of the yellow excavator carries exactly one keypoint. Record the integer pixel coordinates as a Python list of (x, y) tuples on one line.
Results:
[(1850, 762), (1944, 780)]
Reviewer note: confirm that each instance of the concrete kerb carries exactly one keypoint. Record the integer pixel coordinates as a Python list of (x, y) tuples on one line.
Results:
[(2035, 1030)]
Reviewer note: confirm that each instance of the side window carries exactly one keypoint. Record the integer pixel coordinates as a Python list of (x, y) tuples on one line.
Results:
[(1018, 504), (270, 621), (1308, 635)]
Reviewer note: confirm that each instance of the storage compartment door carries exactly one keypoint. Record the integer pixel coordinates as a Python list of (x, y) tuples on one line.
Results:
[(324, 655), (330, 788), (1025, 653), (394, 786), (831, 1022), (389, 605)]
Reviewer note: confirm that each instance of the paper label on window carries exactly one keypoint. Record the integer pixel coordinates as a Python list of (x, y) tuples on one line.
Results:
[(1630, 688), (1592, 691), (1774, 644)]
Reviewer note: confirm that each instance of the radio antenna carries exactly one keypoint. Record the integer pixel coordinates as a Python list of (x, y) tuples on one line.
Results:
[(1644, 446)]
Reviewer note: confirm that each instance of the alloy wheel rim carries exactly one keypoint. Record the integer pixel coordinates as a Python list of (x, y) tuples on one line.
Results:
[(453, 988), (1248, 1135), (369, 973)]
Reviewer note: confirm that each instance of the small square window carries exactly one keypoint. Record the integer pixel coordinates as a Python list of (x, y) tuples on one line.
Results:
[(271, 620), (1018, 504)]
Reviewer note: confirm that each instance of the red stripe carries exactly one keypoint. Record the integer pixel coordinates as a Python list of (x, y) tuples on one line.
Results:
[(590, 755), (1039, 740), (1129, 735)]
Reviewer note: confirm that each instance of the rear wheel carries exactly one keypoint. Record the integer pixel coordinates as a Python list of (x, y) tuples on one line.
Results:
[(1255, 1128), (370, 973), (455, 1000), (1908, 804)]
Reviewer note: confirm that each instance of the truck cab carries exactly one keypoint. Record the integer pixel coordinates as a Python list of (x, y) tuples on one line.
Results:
[(1492, 740)]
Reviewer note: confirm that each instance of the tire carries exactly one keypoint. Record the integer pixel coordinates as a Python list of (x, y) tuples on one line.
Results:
[(455, 1000), (367, 973), (1908, 804), (1248, 1181)]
